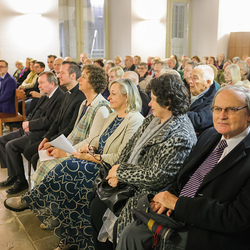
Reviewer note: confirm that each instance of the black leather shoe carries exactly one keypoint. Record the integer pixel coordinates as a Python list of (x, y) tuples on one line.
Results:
[(18, 186), (9, 181)]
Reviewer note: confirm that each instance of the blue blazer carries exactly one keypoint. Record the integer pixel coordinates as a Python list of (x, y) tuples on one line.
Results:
[(7, 94)]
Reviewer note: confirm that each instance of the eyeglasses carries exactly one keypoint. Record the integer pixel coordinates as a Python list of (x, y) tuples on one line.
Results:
[(229, 110), (92, 151), (1, 67)]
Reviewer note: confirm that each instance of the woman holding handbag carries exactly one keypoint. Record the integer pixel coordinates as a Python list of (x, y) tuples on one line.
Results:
[(61, 200), (151, 159)]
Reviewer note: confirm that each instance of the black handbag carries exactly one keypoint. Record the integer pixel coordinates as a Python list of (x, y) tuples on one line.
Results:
[(161, 225), (114, 197)]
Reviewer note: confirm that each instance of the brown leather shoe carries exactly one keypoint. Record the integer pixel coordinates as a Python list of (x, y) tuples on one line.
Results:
[(15, 204), (9, 181)]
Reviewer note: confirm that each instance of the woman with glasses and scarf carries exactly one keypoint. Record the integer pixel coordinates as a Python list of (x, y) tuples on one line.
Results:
[(61, 200)]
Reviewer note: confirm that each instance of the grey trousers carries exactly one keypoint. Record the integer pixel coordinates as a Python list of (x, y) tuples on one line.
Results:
[(135, 237), (139, 237)]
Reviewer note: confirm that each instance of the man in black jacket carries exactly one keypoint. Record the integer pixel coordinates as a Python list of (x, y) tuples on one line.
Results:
[(67, 114), (32, 130)]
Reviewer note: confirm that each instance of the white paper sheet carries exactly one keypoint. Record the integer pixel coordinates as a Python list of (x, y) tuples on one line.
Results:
[(43, 155), (62, 143)]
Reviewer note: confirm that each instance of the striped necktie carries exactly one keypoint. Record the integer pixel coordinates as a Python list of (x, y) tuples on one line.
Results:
[(191, 187)]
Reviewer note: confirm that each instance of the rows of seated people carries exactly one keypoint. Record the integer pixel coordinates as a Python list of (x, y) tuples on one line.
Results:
[(142, 120)]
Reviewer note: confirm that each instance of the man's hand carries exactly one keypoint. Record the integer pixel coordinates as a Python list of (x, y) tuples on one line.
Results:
[(25, 126), (164, 199), (35, 94)]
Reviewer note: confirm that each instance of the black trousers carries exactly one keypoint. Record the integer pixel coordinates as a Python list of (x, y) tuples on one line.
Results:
[(11, 147), (97, 210), (31, 153)]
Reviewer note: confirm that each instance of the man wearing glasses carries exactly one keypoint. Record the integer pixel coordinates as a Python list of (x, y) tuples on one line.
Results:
[(211, 193), (8, 86)]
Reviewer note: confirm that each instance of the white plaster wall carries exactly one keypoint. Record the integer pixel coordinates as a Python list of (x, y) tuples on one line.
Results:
[(148, 34), (24, 33), (119, 29), (204, 27)]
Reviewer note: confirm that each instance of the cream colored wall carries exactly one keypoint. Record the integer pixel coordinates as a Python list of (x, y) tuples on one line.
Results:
[(28, 28)]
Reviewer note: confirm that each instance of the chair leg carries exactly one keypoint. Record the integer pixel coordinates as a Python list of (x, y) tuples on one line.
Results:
[(29, 168), (1, 128)]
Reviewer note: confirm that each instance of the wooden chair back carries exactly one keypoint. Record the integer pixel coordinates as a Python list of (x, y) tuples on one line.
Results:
[(14, 117)]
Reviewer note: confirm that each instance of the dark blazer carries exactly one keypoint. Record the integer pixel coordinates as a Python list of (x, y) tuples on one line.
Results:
[(218, 217), (200, 111), (7, 94), (145, 101), (66, 117), (44, 113)]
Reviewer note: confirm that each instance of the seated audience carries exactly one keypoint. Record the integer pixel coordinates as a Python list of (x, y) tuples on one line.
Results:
[(30, 80), (89, 122), (196, 59), (20, 66), (211, 60), (99, 62), (144, 97), (67, 114), (24, 73), (236, 59), (220, 61), (137, 61), (244, 72), (172, 63), (50, 62), (129, 64), (214, 205), (57, 65), (68, 215), (118, 61), (158, 66), (32, 130), (8, 87), (83, 58), (232, 75), (220, 75), (188, 68), (144, 77), (154, 154), (202, 91), (115, 73), (108, 65)]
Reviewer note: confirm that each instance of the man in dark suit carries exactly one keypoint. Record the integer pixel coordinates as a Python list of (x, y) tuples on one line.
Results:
[(211, 197), (8, 86), (67, 114), (32, 130), (202, 91)]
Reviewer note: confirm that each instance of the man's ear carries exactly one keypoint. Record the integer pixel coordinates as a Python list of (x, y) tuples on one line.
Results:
[(209, 82)]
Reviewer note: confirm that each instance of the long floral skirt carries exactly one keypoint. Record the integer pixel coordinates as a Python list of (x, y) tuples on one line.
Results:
[(61, 201)]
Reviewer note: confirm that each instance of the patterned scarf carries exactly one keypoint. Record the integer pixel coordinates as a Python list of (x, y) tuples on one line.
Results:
[(81, 131)]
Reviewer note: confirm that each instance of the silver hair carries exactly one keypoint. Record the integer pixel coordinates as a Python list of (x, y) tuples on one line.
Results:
[(207, 72), (235, 88), (129, 89)]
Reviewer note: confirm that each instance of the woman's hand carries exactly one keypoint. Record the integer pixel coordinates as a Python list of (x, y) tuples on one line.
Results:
[(56, 153), (112, 172), (82, 156), (113, 182), (84, 149)]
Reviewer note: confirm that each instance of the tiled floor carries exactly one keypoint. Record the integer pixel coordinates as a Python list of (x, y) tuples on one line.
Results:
[(21, 231)]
